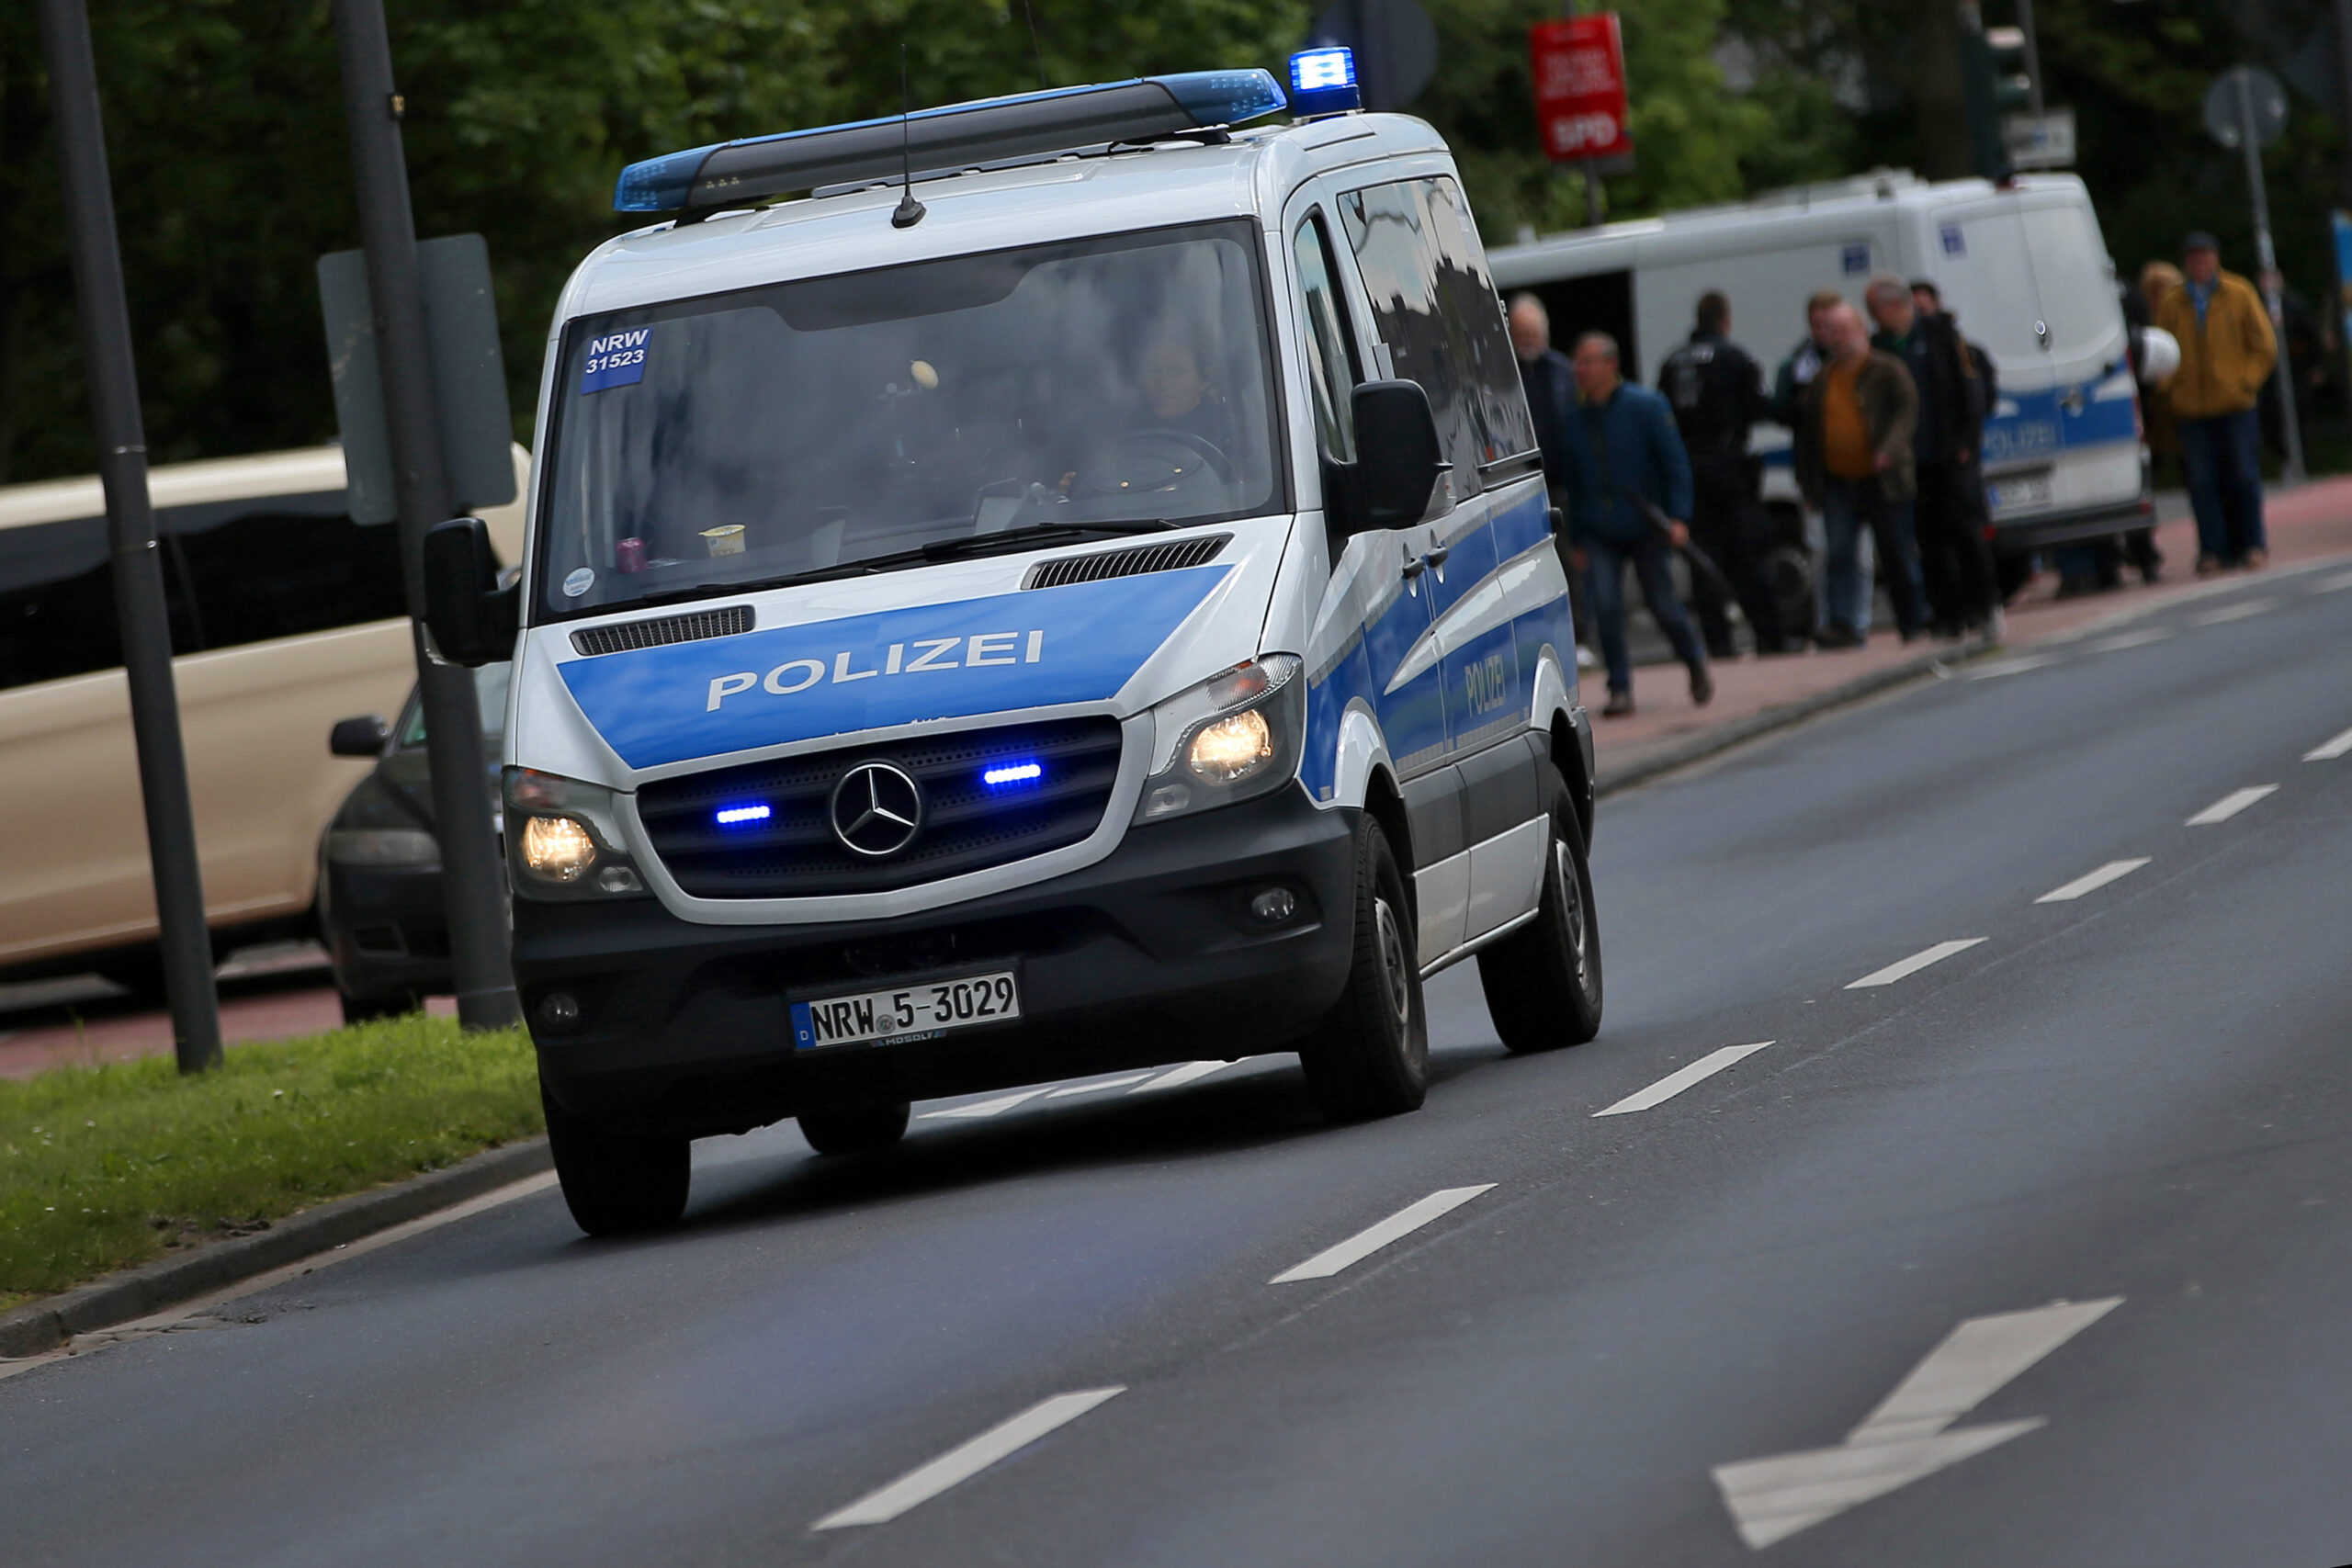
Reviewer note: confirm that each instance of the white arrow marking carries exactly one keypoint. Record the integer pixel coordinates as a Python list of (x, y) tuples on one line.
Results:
[(1904, 1439)]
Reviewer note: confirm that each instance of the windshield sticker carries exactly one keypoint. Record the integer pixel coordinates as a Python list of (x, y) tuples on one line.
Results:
[(617, 360), (1037, 649), (582, 579)]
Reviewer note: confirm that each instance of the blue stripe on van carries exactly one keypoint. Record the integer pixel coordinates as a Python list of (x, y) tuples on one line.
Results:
[(1000, 654)]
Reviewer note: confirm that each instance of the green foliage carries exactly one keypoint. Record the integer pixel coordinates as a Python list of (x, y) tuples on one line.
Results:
[(104, 1167), (231, 175)]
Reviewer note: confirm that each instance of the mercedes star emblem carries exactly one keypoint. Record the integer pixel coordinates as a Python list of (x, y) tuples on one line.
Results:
[(877, 809)]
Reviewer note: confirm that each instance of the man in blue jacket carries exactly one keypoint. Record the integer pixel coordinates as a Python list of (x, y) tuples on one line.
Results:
[(1625, 471)]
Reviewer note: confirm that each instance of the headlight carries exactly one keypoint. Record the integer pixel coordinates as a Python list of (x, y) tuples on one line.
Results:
[(557, 848), (564, 839), (1228, 738), (383, 846)]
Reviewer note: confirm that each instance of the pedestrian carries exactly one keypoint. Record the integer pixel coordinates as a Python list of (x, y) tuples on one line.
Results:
[(1984, 398), (1804, 362), (1854, 464), (1955, 568), (2227, 350), (1718, 393), (1551, 384), (1629, 504)]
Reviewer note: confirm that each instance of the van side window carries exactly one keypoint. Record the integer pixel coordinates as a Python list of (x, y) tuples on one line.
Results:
[(1331, 367), (234, 573), (1438, 318)]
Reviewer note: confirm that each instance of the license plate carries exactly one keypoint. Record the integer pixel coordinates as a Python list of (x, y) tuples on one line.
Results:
[(906, 1012), (2021, 491)]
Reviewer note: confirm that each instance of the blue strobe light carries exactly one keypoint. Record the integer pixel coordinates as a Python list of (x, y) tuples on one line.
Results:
[(1006, 775), (1323, 80), (736, 816)]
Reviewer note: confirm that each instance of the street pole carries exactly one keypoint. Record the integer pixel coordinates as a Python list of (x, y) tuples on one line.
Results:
[(141, 615), (472, 877), (1595, 207), (2032, 61), (2267, 259)]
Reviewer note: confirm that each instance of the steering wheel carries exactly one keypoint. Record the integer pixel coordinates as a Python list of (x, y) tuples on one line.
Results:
[(1143, 461)]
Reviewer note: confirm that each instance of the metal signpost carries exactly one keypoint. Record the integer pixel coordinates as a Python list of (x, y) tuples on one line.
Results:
[(462, 807), (138, 572), (2247, 109)]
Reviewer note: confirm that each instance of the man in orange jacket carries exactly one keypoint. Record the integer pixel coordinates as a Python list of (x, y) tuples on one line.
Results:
[(2227, 351)]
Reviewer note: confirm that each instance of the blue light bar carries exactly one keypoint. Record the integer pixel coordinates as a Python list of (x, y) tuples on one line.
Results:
[(951, 138), (1323, 80), (731, 815), (1014, 774)]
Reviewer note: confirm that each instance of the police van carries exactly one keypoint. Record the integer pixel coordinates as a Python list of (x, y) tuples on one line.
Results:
[(1091, 606), (2022, 266)]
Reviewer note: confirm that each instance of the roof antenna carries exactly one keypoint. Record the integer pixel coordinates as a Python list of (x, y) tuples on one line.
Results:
[(1039, 54), (910, 211)]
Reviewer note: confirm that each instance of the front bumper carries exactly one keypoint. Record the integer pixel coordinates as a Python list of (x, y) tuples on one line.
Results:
[(386, 929), (1146, 957)]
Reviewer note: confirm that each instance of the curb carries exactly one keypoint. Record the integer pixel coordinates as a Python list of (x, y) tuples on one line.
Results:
[(1738, 732), (38, 1327)]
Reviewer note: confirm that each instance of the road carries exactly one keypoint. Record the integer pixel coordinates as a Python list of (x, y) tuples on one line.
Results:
[(2106, 1132)]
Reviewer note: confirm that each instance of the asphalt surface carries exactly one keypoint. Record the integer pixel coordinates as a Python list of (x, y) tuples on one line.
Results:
[(2138, 1096)]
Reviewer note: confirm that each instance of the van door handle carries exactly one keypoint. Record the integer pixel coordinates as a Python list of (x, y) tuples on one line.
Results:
[(1437, 554), (1412, 569)]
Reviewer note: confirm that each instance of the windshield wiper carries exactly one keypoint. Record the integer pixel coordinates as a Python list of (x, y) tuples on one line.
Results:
[(922, 555)]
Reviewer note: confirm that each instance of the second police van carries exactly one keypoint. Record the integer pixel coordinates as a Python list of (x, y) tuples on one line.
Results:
[(1091, 606)]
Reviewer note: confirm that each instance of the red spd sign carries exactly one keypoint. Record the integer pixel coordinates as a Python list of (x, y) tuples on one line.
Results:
[(1580, 87)]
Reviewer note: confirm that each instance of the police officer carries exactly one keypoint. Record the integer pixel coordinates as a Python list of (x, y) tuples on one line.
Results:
[(1717, 392)]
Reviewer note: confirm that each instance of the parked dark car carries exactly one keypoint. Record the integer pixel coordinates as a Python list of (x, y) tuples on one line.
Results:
[(380, 909)]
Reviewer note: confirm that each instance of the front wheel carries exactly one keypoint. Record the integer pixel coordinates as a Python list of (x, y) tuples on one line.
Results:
[(853, 1129), (1543, 982), (1370, 1056), (613, 1183)]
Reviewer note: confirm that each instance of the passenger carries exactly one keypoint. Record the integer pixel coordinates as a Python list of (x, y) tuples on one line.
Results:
[(1717, 390), (1626, 469), (1955, 567), (1854, 466)]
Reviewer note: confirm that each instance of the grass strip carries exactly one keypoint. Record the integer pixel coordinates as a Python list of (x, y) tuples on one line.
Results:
[(105, 1166)]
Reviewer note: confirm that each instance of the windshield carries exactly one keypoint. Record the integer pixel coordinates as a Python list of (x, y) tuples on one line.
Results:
[(706, 444)]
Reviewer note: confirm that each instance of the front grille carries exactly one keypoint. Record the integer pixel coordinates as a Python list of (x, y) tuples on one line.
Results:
[(966, 826), (1173, 555), (664, 629)]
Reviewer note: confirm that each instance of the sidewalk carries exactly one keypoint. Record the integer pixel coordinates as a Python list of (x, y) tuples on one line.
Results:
[(2314, 522), (84, 1019)]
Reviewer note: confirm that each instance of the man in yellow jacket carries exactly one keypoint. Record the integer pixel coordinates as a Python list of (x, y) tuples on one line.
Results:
[(2226, 353)]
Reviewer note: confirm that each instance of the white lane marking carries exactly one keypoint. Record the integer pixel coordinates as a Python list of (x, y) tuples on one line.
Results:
[(2237, 612), (172, 1317), (2333, 584), (1364, 1243), (1904, 1438), (1675, 1082), (996, 1107), (1096, 1088), (2229, 805), (2012, 666), (2131, 639), (2328, 751), (1177, 1077), (1912, 965), (967, 1459), (2092, 881)]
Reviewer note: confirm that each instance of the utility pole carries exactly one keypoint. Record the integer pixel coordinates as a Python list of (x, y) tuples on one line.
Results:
[(471, 875), (2250, 145), (141, 616)]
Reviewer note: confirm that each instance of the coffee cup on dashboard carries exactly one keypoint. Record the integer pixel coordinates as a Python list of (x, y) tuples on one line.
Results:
[(724, 540)]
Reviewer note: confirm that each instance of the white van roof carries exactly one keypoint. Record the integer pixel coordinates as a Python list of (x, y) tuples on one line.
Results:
[(301, 472), (1072, 197)]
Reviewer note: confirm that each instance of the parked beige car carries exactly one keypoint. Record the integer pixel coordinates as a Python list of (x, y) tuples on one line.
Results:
[(285, 616)]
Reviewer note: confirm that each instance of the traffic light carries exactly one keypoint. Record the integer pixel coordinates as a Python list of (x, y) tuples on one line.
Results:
[(2010, 70), (1995, 66)]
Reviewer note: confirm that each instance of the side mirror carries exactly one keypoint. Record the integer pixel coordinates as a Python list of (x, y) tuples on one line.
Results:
[(1399, 462), (363, 736), (472, 620)]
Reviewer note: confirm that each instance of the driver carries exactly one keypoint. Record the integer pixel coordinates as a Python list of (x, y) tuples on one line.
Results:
[(1176, 393)]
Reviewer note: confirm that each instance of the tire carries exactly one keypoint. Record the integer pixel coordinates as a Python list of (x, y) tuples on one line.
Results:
[(853, 1129), (366, 1010), (1543, 982), (1370, 1056), (615, 1184)]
